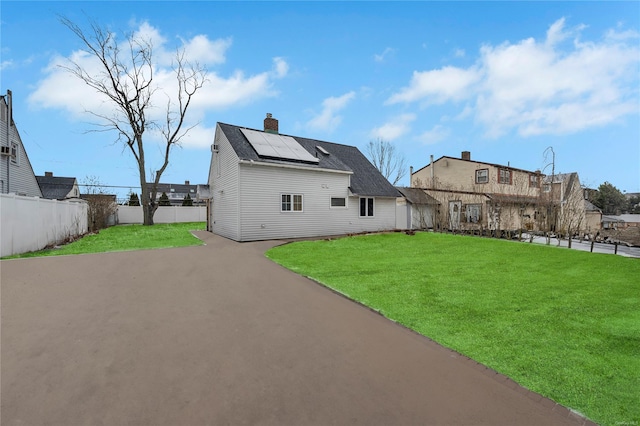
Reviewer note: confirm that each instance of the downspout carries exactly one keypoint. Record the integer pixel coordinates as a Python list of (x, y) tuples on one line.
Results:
[(9, 123)]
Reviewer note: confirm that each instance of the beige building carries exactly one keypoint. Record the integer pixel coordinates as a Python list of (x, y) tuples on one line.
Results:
[(482, 196)]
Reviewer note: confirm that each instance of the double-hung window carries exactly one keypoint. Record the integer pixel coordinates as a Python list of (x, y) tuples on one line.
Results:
[(473, 212), (482, 176), (533, 181), (291, 202), (366, 207), (505, 176)]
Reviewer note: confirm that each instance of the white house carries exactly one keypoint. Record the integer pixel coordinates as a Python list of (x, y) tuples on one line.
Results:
[(16, 173), (265, 185)]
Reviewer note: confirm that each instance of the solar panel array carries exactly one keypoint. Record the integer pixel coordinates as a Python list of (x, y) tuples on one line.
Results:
[(273, 145)]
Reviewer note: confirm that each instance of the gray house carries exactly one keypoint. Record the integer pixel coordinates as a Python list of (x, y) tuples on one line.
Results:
[(265, 185), (16, 173), (58, 187)]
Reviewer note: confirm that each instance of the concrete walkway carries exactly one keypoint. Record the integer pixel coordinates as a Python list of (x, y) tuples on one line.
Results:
[(219, 335)]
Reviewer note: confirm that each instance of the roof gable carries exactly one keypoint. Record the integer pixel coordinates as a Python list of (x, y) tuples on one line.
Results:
[(366, 180), (500, 166), (55, 187)]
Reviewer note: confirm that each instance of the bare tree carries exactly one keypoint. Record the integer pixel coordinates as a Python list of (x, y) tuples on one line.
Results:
[(126, 81), (387, 160), (102, 206)]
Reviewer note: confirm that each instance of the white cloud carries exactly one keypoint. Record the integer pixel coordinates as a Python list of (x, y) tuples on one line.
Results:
[(6, 64), (198, 137), (540, 87), (382, 56), (328, 119), (394, 128), (201, 49), (437, 86), (60, 89), (280, 67), (459, 53), (437, 134)]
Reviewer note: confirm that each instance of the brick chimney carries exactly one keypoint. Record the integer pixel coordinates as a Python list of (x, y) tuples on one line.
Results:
[(48, 174), (186, 182), (466, 155), (270, 124)]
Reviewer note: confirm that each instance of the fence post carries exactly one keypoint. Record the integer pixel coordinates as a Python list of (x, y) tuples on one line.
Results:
[(592, 241), (615, 251)]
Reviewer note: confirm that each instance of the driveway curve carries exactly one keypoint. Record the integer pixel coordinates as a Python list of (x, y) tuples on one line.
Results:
[(220, 335)]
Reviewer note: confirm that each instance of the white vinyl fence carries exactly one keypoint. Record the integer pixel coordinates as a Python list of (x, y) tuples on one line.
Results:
[(165, 214), (32, 223)]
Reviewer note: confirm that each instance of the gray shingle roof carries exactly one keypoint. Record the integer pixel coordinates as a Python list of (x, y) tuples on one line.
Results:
[(365, 180), (55, 187), (416, 195)]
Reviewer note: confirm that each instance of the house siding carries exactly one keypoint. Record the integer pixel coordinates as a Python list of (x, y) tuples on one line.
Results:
[(224, 186), (261, 188), (15, 178), (459, 175)]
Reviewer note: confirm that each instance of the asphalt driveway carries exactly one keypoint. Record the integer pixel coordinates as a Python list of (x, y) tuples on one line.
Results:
[(219, 335)]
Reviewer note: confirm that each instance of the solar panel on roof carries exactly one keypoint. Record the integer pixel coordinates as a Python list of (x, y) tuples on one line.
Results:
[(277, 146)]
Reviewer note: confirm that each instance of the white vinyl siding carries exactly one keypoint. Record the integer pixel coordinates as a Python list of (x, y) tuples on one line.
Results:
[(224, 185), (15, 176), (261, 217)]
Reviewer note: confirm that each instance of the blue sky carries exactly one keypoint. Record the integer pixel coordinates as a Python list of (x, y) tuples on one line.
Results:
[(504, 80)]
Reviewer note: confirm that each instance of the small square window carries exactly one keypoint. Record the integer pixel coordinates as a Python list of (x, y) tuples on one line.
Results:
[(338, 202), (473, 213), (533, 181), (482, 176), (505, 176)]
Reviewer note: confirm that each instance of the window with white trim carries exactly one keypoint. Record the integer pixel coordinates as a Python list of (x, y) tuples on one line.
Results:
[(472, 213), (15, 153), (482, 176), (338, 202), (291, 202), (366, 207)]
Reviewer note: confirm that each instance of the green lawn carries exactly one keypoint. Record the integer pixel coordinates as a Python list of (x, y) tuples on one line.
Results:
[(560, 322), (128, 237)]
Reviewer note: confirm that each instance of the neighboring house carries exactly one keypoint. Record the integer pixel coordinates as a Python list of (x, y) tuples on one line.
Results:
[(16, 173), (422, 208), (593, 216), (57, 187), (265, 185), (178, 191), (567, 196), (626, 220), (479, 195), (612, 222)]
